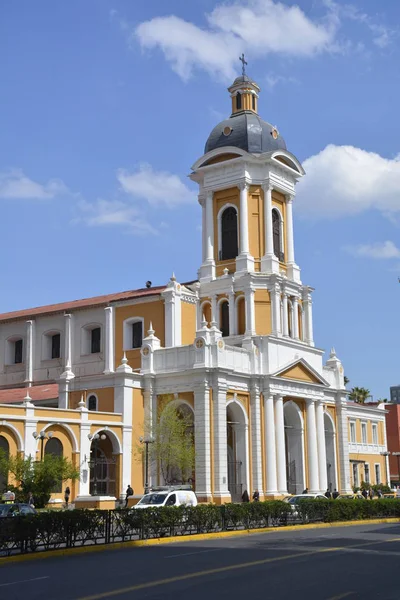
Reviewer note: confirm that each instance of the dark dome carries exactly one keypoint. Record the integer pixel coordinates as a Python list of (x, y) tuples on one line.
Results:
[(247, 131)]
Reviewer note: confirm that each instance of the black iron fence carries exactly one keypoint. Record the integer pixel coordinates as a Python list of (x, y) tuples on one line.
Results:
[(70, 529)]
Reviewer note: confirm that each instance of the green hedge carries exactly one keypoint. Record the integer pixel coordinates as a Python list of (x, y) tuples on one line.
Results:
[(329, 511)]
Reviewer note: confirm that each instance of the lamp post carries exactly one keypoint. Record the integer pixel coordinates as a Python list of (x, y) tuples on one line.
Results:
[(93, 463), (42, 435), (146, 441)]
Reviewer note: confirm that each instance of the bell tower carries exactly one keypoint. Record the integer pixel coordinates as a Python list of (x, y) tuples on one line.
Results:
[(247, 180)]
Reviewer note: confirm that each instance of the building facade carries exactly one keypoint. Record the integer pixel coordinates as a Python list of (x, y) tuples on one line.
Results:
[(395, 394), (235, 348)]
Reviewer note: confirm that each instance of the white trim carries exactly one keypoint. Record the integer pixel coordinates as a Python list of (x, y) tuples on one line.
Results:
[(127, 331), (219, 217), (20, 442), (352, 441), (86, 340), (47, 342), (73, 440), (116, 444)]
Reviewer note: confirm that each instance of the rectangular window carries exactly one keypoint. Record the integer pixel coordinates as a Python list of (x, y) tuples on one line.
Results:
[(137, 334), (364, 433), (95, 341), (55, 345), (374, 433), (366, 470), (353, 432), (18, 346), (377, 474), (355, 475)]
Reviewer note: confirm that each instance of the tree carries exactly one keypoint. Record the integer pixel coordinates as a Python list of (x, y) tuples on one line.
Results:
[(38, 477), (359, 394), (173, 446), (346, 380)]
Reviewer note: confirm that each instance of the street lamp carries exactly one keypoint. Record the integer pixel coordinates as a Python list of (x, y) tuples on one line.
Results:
[(146, 441), (42, 435), (93, 463)]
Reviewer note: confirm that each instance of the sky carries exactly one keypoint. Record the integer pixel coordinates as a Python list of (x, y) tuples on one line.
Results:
[(106, 104)]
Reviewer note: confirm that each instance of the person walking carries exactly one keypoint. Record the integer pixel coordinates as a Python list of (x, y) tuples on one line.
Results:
[(335, 494), (31, 500), (67, 494), (328, 493), (256, 496), (371, 493), (365, 494), (245, 496), (129, 492)]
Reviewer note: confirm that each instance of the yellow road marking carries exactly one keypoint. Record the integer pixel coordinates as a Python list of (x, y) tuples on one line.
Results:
[(150, 584)]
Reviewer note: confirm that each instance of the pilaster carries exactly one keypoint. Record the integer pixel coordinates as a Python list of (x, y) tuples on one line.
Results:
[(244, 262), (280, 445), (322, 469), (109, 340), (67, 374), (207, 269), (270, 446), (293, 271), (256, 448), (269, 262), (221, 492), (173, 313), (29, 352), (312, 448), (202, 442)]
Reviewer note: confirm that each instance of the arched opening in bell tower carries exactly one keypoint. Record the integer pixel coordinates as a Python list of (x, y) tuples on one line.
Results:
[(229, 234)]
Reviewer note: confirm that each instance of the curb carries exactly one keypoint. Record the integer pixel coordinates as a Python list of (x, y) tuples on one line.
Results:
[(187, 538)]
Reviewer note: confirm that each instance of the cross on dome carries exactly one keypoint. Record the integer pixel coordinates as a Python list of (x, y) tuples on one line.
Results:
[(243, 61)]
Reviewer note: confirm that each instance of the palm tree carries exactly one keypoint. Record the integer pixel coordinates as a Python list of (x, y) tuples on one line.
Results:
[(359, 394), (346, 380)]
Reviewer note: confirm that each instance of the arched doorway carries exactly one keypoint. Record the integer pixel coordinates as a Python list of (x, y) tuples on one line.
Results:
[(173, 451), (103, 466), (294, 441), (330, 452), (237, 443), (55, 448), (5, 450)]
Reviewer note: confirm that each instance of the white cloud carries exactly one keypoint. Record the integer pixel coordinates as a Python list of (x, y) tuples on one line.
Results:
[(17, 186), (273, 79), (258, 27), (379, 250), (156, 187), (104, 213), (344, 180)]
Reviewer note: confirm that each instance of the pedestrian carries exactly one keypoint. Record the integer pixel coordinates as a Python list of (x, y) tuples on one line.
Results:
[(129, 492), (328, 493), (365, 494), (371, 493), (256, 496), (245, 496), (380, 494), (305, 491), (31, 500), (335, 494), (67, 494)]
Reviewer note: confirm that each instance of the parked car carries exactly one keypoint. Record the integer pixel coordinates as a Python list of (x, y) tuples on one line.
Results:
[(174, 496), (350, 497), (294, 501), (16, 509)]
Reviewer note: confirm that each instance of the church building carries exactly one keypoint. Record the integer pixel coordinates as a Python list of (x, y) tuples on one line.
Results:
[(234, 349)]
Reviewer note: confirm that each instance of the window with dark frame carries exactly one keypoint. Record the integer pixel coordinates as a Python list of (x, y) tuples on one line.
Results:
[(238, 101), (95, 340), (276, 234), (253, 102), (92, 403), (225, 319), (18, 347), (229, 234), (55, 345), (137, 334)]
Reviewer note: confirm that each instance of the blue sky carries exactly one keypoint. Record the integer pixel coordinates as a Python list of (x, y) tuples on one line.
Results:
[(106, 104)]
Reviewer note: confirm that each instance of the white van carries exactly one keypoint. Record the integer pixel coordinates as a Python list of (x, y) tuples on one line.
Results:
[(173, 496)]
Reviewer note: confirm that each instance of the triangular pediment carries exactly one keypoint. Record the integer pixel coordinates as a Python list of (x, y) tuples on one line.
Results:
[(300, 370)]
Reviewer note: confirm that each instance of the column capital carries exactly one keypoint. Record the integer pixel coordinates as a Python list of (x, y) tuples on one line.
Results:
[(201, 198), (290, 198), (267, 186), (278, 396), (243, 185), (208, 194)]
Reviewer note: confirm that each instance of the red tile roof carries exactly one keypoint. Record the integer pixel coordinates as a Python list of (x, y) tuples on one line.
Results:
[(85, 303), (37, 392)]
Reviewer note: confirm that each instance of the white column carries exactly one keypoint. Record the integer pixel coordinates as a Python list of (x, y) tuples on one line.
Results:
[(322, 468), (293, 271), (308, 319), (30, 443), (270, 446), (29, 353), (285, 324), (214, 310), (207, 270), (313, 479), (343, 444), (68, 346), (269, 262), (173, 313), (232, 314), (85, 443), (203, 228), (109, 340), (220, 443), (280, 445), (255, 414), (202, 442), (250, 311), (295, 306), (275, 293), (244, 262)]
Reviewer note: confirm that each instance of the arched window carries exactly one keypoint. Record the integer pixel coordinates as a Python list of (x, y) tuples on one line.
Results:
[(253, 102), (229, 236), (224, 318), (276, 234), (5, 451), (92, 402), (55, 448), (238, 101)]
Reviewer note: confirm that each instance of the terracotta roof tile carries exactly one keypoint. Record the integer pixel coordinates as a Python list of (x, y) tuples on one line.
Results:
[(37, 392)]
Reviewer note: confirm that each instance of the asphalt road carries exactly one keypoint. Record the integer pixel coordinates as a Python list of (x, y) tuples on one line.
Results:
[(320, 564)]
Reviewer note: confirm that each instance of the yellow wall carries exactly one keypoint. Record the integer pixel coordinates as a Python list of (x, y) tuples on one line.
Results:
[(255, 204), (149, 311), (372, 460), (262, 306), (105, 398), (188, 312), (222, 197), (301, 373)]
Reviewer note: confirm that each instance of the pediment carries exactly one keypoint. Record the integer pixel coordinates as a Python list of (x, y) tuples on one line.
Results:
[(300, 370)]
